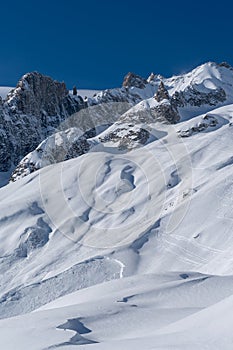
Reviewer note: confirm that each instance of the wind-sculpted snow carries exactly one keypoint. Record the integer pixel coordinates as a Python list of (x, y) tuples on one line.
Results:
[(120, 235), (103, 202), (148, 311)]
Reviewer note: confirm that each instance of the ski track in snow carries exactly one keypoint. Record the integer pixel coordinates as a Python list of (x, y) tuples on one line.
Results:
[(122, 267)]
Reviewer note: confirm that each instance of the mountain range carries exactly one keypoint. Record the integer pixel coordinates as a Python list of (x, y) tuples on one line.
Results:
[(116, 213)]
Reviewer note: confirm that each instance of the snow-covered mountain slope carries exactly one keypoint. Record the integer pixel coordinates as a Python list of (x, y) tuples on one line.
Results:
[(133, 129), (76, 138), (173, 99), (39, 105), (141, 213), (207, 85), (128, 246)]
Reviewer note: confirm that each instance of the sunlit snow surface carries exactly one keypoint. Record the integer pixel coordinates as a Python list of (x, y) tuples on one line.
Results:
[(161, 214), (129, 250), (4, 90), (85, 92)]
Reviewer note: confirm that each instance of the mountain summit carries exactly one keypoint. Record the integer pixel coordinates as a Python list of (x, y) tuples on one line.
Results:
[(31, 112)]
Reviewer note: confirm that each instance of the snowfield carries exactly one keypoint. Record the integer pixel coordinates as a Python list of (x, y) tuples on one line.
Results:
[(4, 90), (85, 92), (119, 249)]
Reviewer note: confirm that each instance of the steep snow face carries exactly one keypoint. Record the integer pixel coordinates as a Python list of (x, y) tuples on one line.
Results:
[(207, 86), (209, 76)]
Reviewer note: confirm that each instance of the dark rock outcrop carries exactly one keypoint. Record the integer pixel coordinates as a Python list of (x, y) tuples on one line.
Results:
[(132, 137), (191, 96), (226, 65), (37, 95), (134, 80), (31, 112), (165, 112), (208, 121), (162, 93)]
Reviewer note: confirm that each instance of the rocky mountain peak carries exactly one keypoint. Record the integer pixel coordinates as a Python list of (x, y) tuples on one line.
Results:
[(38, 94), (134, 80), (151, 77), (30, 113), (226, 65), (162, 93)]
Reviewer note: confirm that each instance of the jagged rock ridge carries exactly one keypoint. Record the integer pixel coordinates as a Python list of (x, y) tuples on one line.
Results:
[(30, 113), (134, 80)]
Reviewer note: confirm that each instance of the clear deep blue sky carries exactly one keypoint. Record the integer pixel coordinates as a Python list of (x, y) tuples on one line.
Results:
[(93, 44)]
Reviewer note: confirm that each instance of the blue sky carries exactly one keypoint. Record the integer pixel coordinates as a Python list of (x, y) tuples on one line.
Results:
[(93, 44)]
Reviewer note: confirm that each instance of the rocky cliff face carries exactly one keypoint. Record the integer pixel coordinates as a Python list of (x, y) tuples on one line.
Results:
[(134, 80), (162, 93), (38, 95), (166, 110), (30, 113)]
